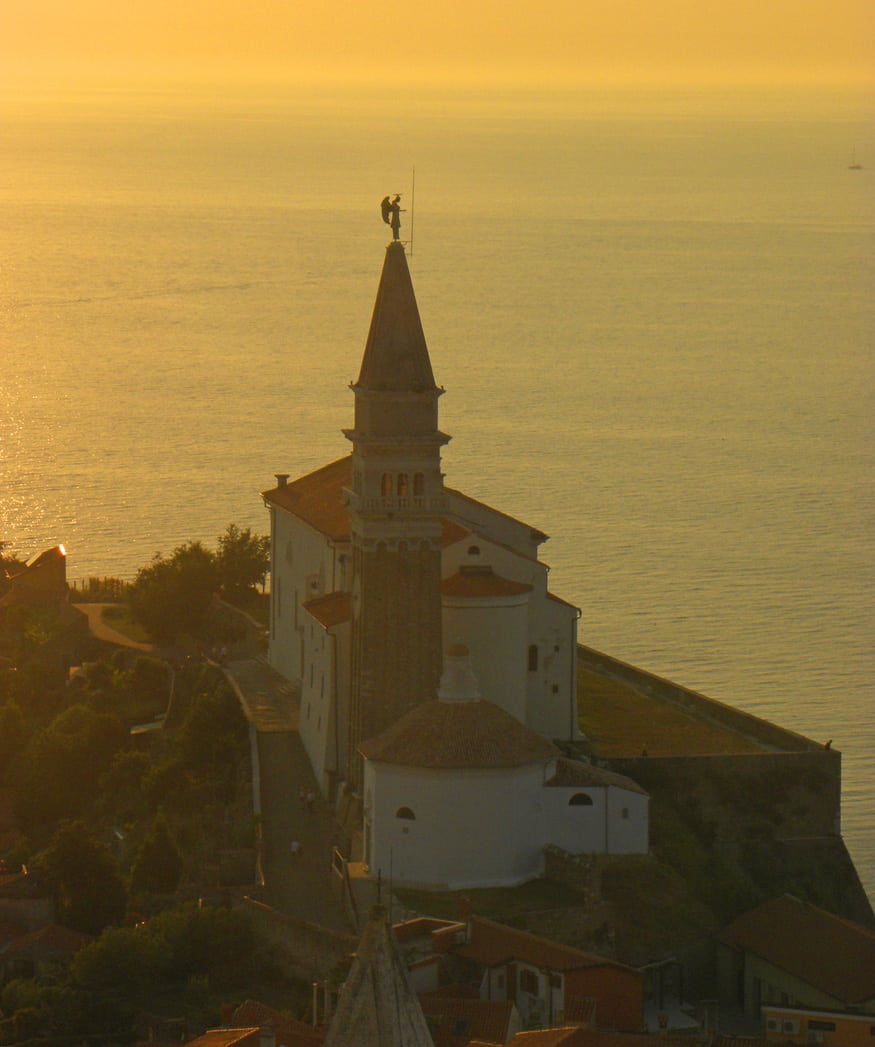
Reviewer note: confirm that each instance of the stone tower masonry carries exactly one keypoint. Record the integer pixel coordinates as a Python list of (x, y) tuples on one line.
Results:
[(397, 504)]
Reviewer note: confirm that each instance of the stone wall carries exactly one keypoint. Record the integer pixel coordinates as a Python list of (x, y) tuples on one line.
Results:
[(768, 734)]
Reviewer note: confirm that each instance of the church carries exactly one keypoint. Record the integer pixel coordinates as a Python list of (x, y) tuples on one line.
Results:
[(378, 571)]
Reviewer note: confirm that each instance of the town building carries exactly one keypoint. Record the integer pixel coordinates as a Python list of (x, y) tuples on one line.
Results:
[(791, 953), (377, 568)]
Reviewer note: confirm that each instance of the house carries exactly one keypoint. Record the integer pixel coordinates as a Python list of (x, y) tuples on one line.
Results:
[(27, 954), (456, 1020), (785, 1025), (550, 983), (787, 952)]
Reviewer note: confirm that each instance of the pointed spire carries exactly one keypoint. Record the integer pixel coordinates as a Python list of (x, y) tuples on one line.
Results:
[(396, 356), (377, 1005)]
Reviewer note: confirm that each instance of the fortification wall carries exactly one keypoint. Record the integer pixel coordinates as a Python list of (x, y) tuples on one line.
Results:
[(760, 730)]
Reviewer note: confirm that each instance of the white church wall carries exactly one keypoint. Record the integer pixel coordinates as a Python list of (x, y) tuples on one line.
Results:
[(578, 827), (551, 679), (596, 819), (495, 632), (470, 828), (629, 821), (301, 568), (490, 523), (322, 679)]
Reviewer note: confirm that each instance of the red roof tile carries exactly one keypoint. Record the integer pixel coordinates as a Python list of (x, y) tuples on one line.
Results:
[(823, 950), (494, 943), (575, 772), (288, 1031), (457, 736), (480, 584), (463, 1018), (330, 609), (317, 498)]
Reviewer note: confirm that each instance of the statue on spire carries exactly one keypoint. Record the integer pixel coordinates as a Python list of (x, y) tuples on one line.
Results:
[(391, 211)]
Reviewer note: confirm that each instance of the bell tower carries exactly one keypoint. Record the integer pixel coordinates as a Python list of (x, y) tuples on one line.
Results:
[(397, 504)]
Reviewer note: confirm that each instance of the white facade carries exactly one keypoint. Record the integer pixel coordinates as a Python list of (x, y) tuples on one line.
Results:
[(446, 829), (523, 644)]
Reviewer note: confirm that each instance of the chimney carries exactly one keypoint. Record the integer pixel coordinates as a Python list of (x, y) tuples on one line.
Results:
[(281, 479)]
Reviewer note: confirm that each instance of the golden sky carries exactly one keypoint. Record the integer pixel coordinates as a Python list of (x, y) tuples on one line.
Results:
[(792, 41)]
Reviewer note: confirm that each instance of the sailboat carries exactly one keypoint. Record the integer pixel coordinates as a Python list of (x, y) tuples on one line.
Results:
[(855, 165)]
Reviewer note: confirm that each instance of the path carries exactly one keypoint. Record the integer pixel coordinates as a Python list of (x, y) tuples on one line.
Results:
[(102, 631), (298, 885)]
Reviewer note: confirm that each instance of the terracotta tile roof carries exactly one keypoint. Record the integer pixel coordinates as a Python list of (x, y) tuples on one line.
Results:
[(570, 1036), (595, 1038), (558, 599), (288, 1031), (537, 536), (330, 609), (462, 1019), (575, 772), (456, 736), (481, 583), (453, 532), (493, 944), (317, 498), (227, 1038), (828, 953), (53, 937)]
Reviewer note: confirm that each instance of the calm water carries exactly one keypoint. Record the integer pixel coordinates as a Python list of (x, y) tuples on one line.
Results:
[(655, 332)]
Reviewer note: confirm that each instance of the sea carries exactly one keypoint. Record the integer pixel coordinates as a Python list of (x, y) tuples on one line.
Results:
[(652, 313)]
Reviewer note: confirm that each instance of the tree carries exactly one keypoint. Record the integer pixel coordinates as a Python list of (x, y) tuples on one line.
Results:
[(60, 770), (172, 595), (89, 891), (243, 559), (158, 865)]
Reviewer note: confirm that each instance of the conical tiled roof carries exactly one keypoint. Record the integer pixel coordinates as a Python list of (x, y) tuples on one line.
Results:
[(377, 1007), (396, 356)]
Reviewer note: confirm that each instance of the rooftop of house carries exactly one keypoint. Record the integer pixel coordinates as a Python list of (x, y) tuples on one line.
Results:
[(455, 1020), (287, 1031), (228, 1038), (825, 951), (52, 938), (494, 944)]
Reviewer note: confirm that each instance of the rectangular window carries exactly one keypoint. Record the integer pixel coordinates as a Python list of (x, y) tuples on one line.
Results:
[(813, 1023), (529, 982)]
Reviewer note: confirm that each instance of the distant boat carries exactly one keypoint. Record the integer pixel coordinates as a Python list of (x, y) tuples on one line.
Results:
[(855, 165)]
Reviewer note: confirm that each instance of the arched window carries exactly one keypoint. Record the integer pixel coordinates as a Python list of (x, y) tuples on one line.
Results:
[(406, 814), (580, 800), (386, 485), (473, 550), (533, 658), (402, 484), (418, 484)]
